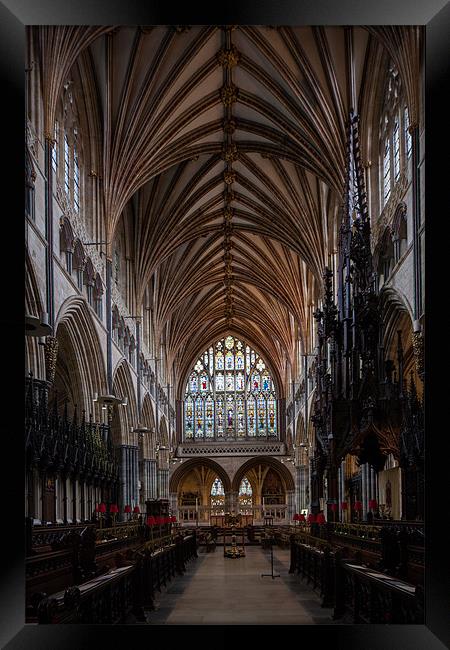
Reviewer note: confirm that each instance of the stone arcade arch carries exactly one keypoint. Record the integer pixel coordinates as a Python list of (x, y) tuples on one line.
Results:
[(257, 470), (34, 354), (80, 370), (211, 470), (148, 484)]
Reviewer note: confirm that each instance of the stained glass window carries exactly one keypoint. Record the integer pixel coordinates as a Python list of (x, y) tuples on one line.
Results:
[(245, 496), (217, 496), (387, 170), (396, 150), (55, 148), (66, 164), (408, 138), (230, 394), (217, 488), (76, 181)]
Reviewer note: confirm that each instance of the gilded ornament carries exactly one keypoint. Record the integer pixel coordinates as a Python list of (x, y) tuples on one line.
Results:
[(230, 153), (228, 58), (228, 215), (228, 94), (229, 177)]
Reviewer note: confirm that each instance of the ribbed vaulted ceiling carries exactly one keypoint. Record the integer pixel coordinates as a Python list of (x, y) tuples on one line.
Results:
[(226, 147)]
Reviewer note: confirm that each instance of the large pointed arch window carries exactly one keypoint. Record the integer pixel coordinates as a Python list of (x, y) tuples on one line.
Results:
[(230, 394)]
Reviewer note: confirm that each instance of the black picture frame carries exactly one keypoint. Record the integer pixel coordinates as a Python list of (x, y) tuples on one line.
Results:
[(14, 16)]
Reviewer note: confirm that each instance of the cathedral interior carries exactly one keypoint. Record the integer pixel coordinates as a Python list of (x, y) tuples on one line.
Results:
[(224, 324)]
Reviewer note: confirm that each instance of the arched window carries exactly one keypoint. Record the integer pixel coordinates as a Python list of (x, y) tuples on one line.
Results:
[(67, 149), (230, 394), (387, 171), (408, 138), (245, 497), (55, 147), (76, 180), (395, 140), (217, 494), (66, 164)]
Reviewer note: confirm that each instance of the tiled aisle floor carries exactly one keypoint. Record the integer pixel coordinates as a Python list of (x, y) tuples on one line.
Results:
[(218, 590)]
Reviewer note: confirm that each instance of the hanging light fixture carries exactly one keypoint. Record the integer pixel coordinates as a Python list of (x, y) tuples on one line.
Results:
[(38, 326)]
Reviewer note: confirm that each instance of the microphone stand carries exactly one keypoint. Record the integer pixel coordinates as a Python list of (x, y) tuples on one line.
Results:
[(271, 575)]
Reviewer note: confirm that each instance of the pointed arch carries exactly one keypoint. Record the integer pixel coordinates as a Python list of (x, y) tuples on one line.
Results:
[(269, 461), (163, 436), (34, 353), (75, 327), (187, 466), (148, 421), (126, 417)]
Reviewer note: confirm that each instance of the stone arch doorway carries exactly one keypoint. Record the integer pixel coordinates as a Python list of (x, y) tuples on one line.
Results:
[(192, 494), (272, 491)]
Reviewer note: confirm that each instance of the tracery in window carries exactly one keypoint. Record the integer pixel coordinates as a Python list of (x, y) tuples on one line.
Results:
[(387, 170), (408, 138), (230, 394), (76, 181), (395, 140), (396, 150), (66, 165), (245, 497), (55, 147), (217, 495)]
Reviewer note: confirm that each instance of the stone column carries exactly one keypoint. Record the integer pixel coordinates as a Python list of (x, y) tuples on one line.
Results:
[(298, 488), (173, 499), (364, 490), (152, 478), (163, 483), (290, 500), (342, 516), (134, 475), (302, 478), (231, 501), (340, 497)]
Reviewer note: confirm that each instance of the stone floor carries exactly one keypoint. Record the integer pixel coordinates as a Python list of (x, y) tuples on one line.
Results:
[(219, 591)]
